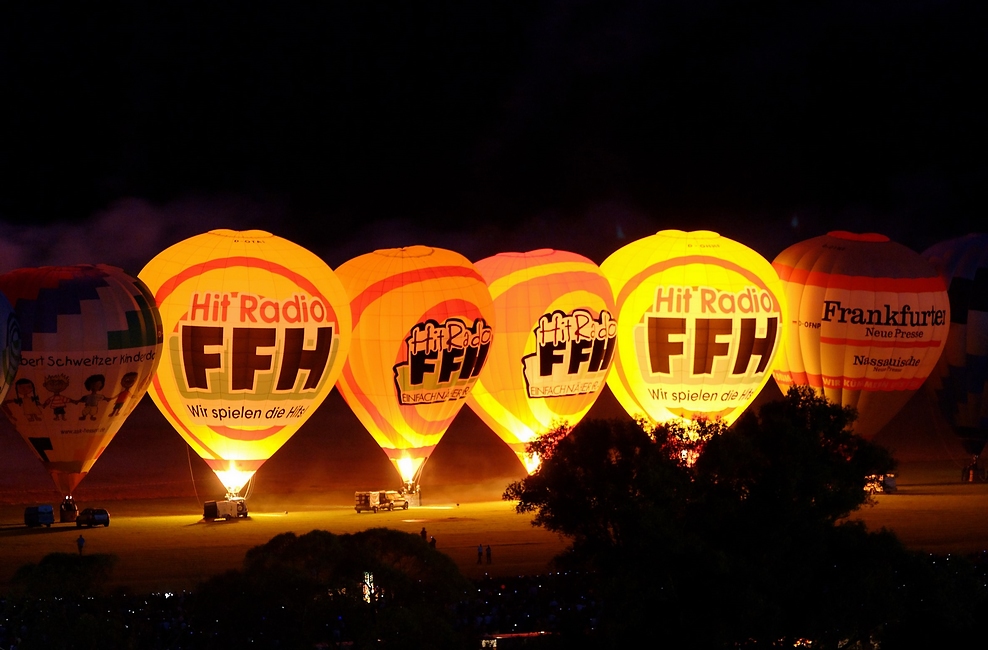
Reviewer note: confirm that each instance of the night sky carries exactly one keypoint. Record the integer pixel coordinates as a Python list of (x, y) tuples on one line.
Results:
[(486, 126)]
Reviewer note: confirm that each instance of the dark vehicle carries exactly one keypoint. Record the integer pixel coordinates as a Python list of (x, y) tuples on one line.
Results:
[(43, 515), (379, 500), (93, 517)]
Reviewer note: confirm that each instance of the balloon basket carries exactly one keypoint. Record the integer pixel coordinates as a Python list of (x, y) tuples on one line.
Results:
[(68, 511)]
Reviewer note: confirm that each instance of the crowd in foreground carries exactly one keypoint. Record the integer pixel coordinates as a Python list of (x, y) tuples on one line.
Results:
[(542, 605)]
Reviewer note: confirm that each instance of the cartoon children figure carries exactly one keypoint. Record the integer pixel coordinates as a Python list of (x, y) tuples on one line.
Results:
[(55, 384), (126, 383), (94, 384), (27, 398)]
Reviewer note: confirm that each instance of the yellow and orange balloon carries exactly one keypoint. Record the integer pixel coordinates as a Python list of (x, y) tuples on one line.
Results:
[(90, 340), (256, 331), (556, 338), (869, 320), (700, 320), (422, 331)]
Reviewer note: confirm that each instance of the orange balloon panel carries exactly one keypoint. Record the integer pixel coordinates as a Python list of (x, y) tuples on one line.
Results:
[(700, 320), (90, 340), (422, 330), (256, 330), (869, 321), (556, 337)]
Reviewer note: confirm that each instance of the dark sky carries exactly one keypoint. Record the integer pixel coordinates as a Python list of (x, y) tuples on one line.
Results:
[(486, 126)]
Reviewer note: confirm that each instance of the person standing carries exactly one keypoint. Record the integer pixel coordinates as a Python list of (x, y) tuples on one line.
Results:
[(488, 554), (422, 533), (80, 542), (480, 553), (432, 542)]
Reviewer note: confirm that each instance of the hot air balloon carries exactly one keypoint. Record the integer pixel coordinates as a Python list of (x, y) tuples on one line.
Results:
[(10, 346), (869, 320), (256, 330), (556, 337), (961, 377), (700, 320), (90, 340), (422, 330)]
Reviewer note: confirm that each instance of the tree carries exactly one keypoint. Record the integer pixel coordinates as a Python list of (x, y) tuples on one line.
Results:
[(378, 587), (724, 536)]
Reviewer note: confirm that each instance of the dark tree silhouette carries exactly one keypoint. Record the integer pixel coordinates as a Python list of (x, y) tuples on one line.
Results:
[(729, 536), (379, 587)]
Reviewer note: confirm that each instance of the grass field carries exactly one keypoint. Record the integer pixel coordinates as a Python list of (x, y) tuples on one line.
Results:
[(173, 552), (164, 544)]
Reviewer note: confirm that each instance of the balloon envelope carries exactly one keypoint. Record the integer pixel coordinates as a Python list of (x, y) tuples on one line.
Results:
[(700, 319), (422, 330), (556, 337), (256, 330), (90, 342), (869, 320), (10, 346), (961, 377)]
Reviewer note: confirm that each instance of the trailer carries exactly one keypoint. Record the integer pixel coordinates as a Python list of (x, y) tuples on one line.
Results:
[(376, 500)]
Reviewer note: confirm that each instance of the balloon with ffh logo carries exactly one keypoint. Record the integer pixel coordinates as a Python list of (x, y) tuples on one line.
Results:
[(556, 338), (869, 320), (422, 331), (90, 340), (700, 320), (256, 330)]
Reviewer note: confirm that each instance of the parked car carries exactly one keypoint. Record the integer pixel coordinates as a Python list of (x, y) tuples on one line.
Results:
[(93, 517)]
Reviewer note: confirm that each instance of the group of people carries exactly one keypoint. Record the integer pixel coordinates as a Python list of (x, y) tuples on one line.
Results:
[(482, 552)]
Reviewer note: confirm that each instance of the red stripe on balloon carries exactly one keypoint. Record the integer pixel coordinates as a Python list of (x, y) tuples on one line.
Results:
[(220, 465), (168, 286), (855, 383), (825, 280), (385, 285), (634, 281), (366, 402), (248, 435)]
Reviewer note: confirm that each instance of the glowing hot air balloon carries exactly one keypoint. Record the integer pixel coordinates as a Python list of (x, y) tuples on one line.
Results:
[(961, 377), (256, 330), (10, 346), (90, 340), (556, 337), (700, 319), (422, 330), (869, 320)]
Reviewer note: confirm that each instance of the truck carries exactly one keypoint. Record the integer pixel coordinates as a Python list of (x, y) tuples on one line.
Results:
[(232, 508), (379, 500), (43, 515)]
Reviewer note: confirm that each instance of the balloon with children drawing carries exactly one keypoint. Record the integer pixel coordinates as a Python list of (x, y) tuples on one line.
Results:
[(90, 339)]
